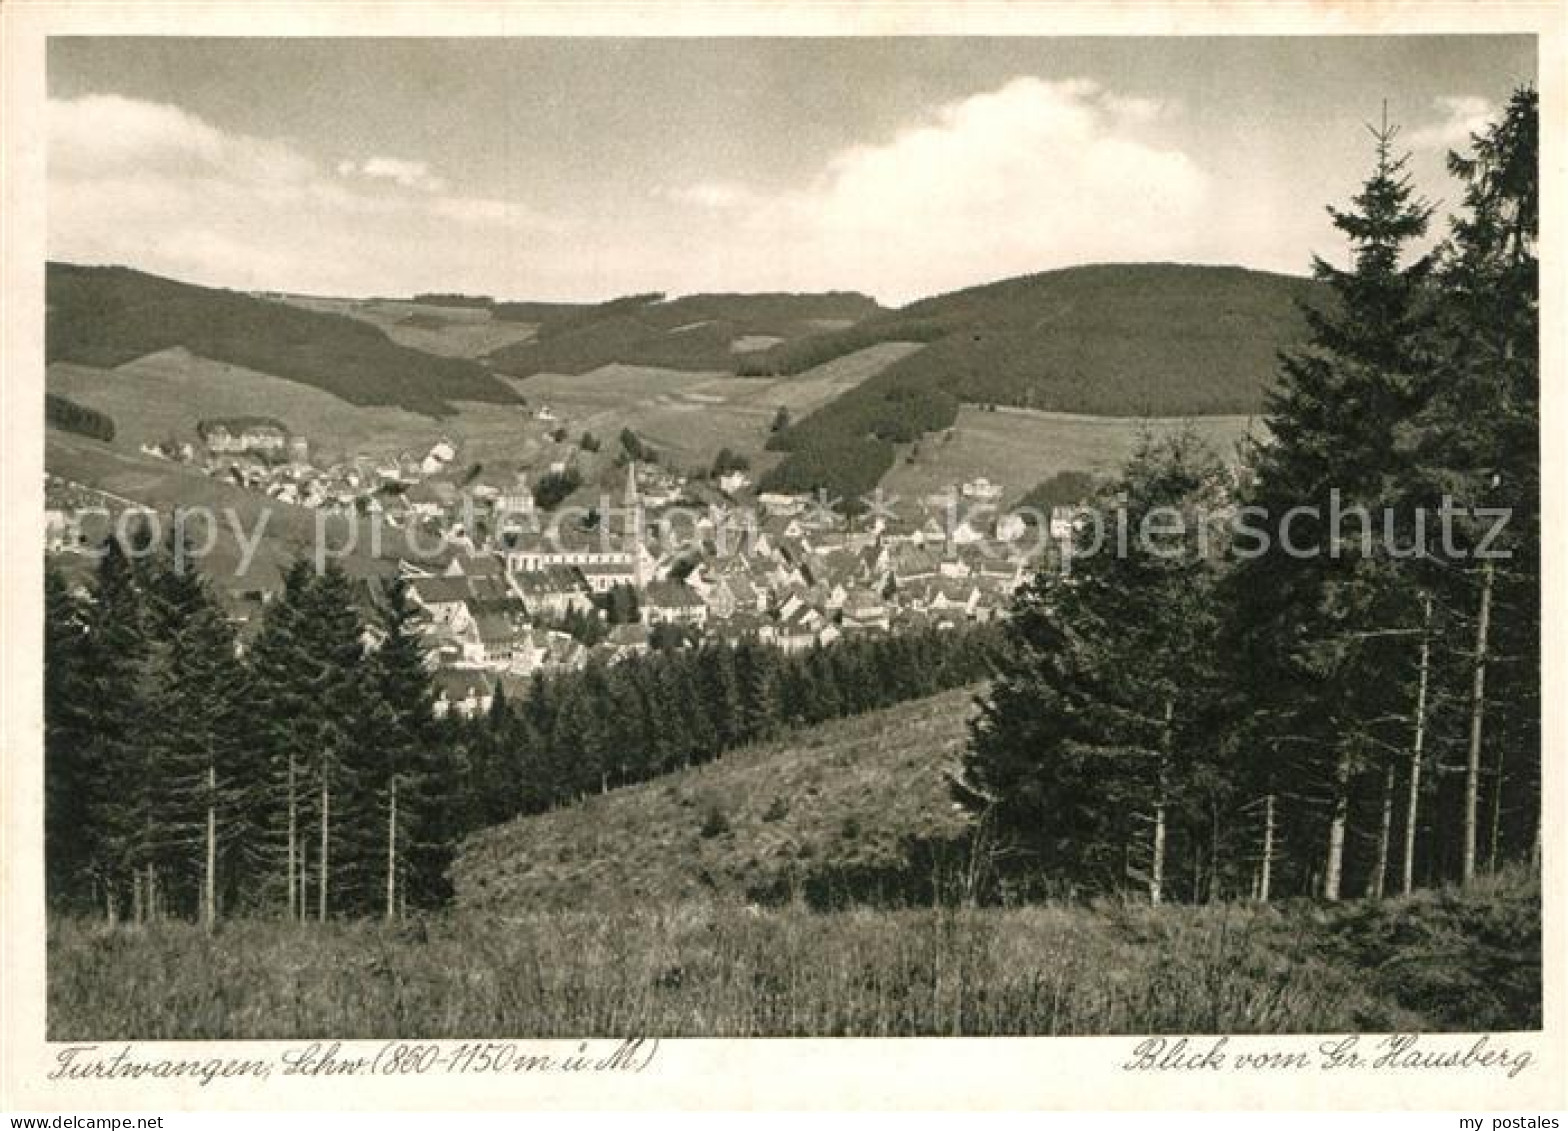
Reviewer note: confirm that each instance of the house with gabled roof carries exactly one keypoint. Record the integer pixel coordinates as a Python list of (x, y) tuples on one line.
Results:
[(604, 576), (489, 639), (864, 609), (672, 602), (465, 692), (627, 640), (476, 565), (952, 596), (443, 598), (913, 563), (553, 592)]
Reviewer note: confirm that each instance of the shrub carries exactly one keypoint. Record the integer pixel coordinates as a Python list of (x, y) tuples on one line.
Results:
[(714, 822)]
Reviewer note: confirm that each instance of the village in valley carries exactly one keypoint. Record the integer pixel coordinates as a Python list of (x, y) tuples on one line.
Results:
[(510, 582), (1053, 549)]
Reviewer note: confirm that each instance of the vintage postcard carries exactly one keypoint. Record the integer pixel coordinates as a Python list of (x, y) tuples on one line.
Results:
[(860, 556)]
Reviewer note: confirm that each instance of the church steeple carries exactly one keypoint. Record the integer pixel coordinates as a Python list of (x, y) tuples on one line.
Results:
[(633, 529)]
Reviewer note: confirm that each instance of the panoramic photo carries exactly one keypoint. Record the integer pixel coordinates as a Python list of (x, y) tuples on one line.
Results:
[(771, 537)]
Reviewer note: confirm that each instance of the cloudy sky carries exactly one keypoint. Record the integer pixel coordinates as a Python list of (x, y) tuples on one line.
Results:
[(587, 168)]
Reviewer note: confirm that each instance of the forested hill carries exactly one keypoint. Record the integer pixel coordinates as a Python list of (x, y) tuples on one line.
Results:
[(693, 332), (1159, 339), (1131, 339), (1112, 340), (106, 316)]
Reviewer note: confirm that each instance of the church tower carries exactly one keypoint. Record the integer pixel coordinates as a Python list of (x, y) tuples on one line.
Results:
[(632, 530)]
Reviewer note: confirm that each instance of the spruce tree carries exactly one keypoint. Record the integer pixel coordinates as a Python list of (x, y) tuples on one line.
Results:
[(279, 722), (115, 758), (70, 833), (1331, 605), (1086, 740), (1480, 445), (414, 783), (199, 769)]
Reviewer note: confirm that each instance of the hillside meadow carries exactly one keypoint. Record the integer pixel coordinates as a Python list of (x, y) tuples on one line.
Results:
[(165, 394), (1021, 448), (848, 809), (689, 416), (447, 331), (1442, 960)]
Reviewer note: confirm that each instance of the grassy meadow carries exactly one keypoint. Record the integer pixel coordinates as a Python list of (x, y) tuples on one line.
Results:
[(689, 415), (447, 331), (1441, 960), (166, 393), (825, 813), (1021, 447)]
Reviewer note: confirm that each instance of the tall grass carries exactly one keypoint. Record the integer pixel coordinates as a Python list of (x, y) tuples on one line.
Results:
[(718, 970)]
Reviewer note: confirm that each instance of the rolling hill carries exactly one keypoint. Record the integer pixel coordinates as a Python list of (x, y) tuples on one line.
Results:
[(165, 395), (1137, 340), (855, 806), (703, 332), (105, 316), (445, 330), (863, 384)]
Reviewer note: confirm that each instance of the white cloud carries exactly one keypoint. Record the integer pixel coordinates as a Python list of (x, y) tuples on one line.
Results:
[(711, 194), (1030, 176), (1136, 110), (408, 174), (1460, 117), (158, 188), (106, 134), (1027, 177)]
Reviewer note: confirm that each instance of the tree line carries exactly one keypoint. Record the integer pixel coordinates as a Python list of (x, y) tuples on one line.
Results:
[(1229, 717), (306, 775), (62, 412), (587, 732)]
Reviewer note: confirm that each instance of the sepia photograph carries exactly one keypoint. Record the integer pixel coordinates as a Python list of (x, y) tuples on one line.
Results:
[(880, 536)]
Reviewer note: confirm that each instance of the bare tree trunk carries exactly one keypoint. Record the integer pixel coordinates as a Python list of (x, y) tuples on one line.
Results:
[(1477, 717), (1268, 849), (1413, 801), (209, 887), (1385, 830), (304, 879), (296, 882), (1497, 811), (1157, 866), (138, 905), (392, 851), (322, 863), (1214, 850), (1334, 863)]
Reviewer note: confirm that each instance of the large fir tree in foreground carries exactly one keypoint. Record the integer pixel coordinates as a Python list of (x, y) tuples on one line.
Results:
[(1086, 743), (1367, 715), (1331, 605)]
